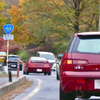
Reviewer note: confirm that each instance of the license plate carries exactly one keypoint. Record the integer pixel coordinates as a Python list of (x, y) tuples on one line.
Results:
[(96, 84), (13, 65), (39, 70)]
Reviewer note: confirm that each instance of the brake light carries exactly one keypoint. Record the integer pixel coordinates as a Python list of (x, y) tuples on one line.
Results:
[(33, 65), (67, 62), (45, 65), (81, 81)]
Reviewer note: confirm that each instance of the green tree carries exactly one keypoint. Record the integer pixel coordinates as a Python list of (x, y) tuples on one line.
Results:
[(2, 17), (65, 17), (54, 21), (82, 15)]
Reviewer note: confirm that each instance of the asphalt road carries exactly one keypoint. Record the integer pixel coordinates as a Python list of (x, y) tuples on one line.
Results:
[(44, 87)]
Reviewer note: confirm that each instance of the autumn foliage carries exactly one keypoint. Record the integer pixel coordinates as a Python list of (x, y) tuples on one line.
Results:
[(13, 46), (50, 24)]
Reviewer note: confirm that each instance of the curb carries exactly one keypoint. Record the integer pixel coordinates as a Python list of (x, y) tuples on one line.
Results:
[(9, 86)]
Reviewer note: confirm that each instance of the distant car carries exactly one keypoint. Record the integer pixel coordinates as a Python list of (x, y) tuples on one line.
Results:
[(48, 55), (37, 65), (80, 67), (1, 61), (58, 61), (54, 66), (13, 62), (2, 58)]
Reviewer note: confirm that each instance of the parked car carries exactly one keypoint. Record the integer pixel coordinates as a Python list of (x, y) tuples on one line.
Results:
[(80, 67), (13, 62), (48, 55), (57, 65), (37, 65), (53, 68), (2, 59)]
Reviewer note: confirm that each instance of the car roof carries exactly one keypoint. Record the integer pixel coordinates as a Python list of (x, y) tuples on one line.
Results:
[(2, 53), (87, 33), (12, 55), (38, 57), (43, 52)]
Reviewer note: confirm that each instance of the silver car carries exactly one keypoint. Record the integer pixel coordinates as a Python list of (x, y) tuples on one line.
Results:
[(57, 66)]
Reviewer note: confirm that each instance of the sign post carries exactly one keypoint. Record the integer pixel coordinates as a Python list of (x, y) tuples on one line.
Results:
[(8, 29)]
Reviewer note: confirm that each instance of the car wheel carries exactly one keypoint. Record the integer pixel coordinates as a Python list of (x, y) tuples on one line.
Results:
[(23, 72), (45, 73), (86, 95), (49, 73), (57, 76), (68, 96), (21, 68)]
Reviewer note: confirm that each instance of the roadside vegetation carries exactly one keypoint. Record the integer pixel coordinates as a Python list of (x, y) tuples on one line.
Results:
[(6, 75), (48, 25), (17, 91)]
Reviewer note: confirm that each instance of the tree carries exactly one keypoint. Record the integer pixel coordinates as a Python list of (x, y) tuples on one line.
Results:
[(65, 16), (82, 15), (54, 21), (13, 46), (2, 17)]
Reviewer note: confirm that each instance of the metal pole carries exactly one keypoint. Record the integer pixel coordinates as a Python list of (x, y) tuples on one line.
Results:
[(18, 69), (9, 69), (7, 51)]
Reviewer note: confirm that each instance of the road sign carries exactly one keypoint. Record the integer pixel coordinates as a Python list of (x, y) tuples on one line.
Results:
[(8, 28), (8, 37)]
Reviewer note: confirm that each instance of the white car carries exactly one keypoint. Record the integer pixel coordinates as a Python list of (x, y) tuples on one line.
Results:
[(48, 55)]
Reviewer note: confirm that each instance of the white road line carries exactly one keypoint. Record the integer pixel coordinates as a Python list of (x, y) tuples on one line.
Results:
[(34, 91)]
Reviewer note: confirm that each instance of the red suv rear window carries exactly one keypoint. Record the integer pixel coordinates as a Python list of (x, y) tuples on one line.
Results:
[(87, 44)]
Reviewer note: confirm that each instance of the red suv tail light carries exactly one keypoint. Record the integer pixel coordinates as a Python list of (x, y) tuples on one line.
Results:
[(72, 65), (67, 62), (75, 62), (67, 65)]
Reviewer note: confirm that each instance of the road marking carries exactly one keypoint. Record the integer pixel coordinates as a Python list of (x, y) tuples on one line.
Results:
[(34, 91)]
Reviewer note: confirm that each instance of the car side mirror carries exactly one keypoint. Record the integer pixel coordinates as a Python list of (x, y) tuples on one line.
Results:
[(60, 55), (24, 61)]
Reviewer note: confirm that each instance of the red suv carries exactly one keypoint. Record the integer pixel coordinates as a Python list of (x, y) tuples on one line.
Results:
[(80, 67)]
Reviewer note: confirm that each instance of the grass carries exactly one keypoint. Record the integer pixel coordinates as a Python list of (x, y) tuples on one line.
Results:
[(12, 94), (6, 75)]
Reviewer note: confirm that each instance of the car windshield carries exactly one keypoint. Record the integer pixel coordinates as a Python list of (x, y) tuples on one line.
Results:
[(48, 56), (2, 53), (13, 57), (87, 44), (37, 59)]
